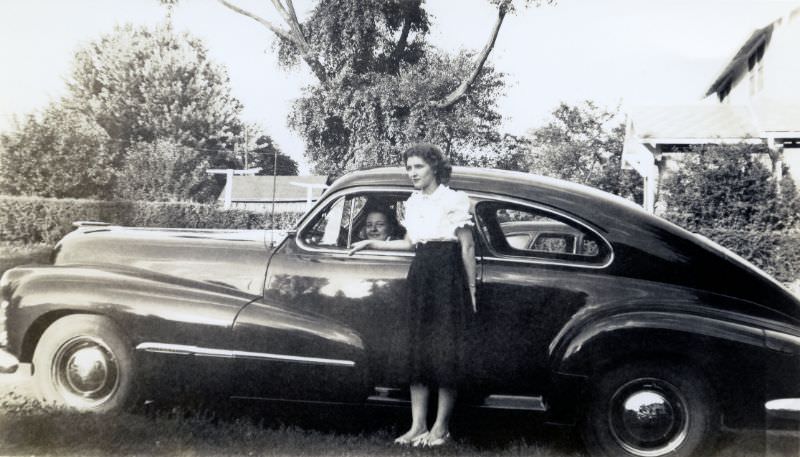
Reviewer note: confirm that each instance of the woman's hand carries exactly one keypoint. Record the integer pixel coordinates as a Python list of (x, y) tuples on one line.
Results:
[(359, 245)]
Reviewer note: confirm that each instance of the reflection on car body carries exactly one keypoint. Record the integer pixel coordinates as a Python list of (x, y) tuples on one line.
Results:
[(590, 311)]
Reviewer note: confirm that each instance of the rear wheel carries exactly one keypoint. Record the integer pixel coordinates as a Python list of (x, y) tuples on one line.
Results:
[(651, 410), (84, 362)]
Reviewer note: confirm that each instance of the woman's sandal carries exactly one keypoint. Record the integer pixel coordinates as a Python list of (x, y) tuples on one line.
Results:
[(427, 441), (420, 439), (412, 441)]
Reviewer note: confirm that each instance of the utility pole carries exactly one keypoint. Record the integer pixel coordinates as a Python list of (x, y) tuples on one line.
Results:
[(246, 146)]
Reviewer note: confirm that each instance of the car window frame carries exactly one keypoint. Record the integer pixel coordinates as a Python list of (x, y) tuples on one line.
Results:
[(493, 255), (331, 199)]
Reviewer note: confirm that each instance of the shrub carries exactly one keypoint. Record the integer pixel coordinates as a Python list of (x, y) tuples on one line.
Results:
[(725, 193), (46, 220), (727, 187)]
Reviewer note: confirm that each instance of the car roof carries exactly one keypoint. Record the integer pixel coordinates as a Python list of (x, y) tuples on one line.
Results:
[(550, 191)]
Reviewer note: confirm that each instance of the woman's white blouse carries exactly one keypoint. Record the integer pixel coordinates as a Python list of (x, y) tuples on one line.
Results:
[(436, 217)]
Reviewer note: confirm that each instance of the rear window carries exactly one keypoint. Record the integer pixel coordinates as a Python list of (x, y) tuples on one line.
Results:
[(518, 231)]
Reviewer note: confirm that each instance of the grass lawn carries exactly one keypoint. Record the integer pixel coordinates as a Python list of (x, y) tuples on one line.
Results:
[(28, 428)]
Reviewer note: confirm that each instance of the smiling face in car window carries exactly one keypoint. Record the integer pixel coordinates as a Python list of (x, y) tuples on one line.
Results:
[(377, 226)]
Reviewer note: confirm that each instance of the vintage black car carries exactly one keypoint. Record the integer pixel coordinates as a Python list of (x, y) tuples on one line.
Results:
[(647, 336)]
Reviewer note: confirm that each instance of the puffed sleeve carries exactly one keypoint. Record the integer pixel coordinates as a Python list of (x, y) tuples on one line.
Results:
[(410, 216), (458, 214)]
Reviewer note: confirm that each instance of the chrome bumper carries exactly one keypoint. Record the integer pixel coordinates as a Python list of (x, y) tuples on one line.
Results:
[(784, 408), (8, 363)]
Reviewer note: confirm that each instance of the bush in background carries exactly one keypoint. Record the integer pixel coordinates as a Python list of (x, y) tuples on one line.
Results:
[(46, 220), (727, 194), (727, 187)]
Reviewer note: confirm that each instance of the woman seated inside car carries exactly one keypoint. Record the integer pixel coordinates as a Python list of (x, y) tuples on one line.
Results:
[(381, 224)]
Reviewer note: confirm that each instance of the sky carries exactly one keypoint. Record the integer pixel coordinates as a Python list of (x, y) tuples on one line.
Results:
[(624, 53)]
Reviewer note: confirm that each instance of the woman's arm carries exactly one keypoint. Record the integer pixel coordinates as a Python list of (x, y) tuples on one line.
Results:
[(464, 235), (392, 245)]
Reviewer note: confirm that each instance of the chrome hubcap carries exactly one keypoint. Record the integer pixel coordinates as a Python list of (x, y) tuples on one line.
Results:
[(85, 372), (648, 417)]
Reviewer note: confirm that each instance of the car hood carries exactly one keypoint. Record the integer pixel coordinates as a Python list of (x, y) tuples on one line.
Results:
[(233, 258)]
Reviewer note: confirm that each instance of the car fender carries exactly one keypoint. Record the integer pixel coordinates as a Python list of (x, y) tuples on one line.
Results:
[(582, 348), (146, 304), (730, 349)]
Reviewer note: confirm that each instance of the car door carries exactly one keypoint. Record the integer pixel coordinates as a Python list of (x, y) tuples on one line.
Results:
[(353, 302), (529, 290)]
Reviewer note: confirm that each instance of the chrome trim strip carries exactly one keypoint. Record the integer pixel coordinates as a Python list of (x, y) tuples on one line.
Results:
[(181, 349), (780, 341), (783, 409), (517, 402), (783, 404)]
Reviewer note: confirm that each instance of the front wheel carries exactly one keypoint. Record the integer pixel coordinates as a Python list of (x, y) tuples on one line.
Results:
[(651, 410), (84, 362)]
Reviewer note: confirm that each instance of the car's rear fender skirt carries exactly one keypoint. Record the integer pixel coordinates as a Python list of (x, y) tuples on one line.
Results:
[(148, 306), (733, 356)]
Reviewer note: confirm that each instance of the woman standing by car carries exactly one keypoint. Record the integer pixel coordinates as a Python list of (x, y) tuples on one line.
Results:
[(441, 289)]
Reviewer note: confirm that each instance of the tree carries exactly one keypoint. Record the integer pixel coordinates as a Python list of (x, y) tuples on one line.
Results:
[(368, 119), (380, 85), (138, 97), (582, 144), (162, 170), (62, 154), (143, 84), (151, 85), (263, 156), (728, 187)]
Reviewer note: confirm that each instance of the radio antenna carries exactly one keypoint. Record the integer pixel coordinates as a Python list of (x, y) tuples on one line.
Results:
[(274, 185)]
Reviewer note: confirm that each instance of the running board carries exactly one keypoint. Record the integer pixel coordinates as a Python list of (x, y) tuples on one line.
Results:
[(389, 395)]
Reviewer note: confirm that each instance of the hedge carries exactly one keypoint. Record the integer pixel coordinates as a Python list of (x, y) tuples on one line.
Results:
[(46, 220)]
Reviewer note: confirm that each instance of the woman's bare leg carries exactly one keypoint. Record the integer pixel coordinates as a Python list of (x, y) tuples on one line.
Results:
[(444, 410), (419, 412)]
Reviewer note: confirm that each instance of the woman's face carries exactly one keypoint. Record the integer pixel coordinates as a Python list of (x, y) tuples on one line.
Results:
[(420, 173), (377, 226)]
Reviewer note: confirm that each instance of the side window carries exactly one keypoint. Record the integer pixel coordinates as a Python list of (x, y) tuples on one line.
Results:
[(326, 228), (355, 217), (519, 231)]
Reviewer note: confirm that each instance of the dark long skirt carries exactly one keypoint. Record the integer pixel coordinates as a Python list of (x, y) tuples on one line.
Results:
[(439, 306)]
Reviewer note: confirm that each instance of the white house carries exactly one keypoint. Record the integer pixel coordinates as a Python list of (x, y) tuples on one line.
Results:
[(754, 99)]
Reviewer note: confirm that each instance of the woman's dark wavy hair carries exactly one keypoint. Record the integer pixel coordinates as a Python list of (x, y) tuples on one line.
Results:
[(434, 157)]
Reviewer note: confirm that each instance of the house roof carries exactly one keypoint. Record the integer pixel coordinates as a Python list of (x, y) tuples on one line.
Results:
[(259, 188), (739, 60), (694, 122), (775, 116)]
